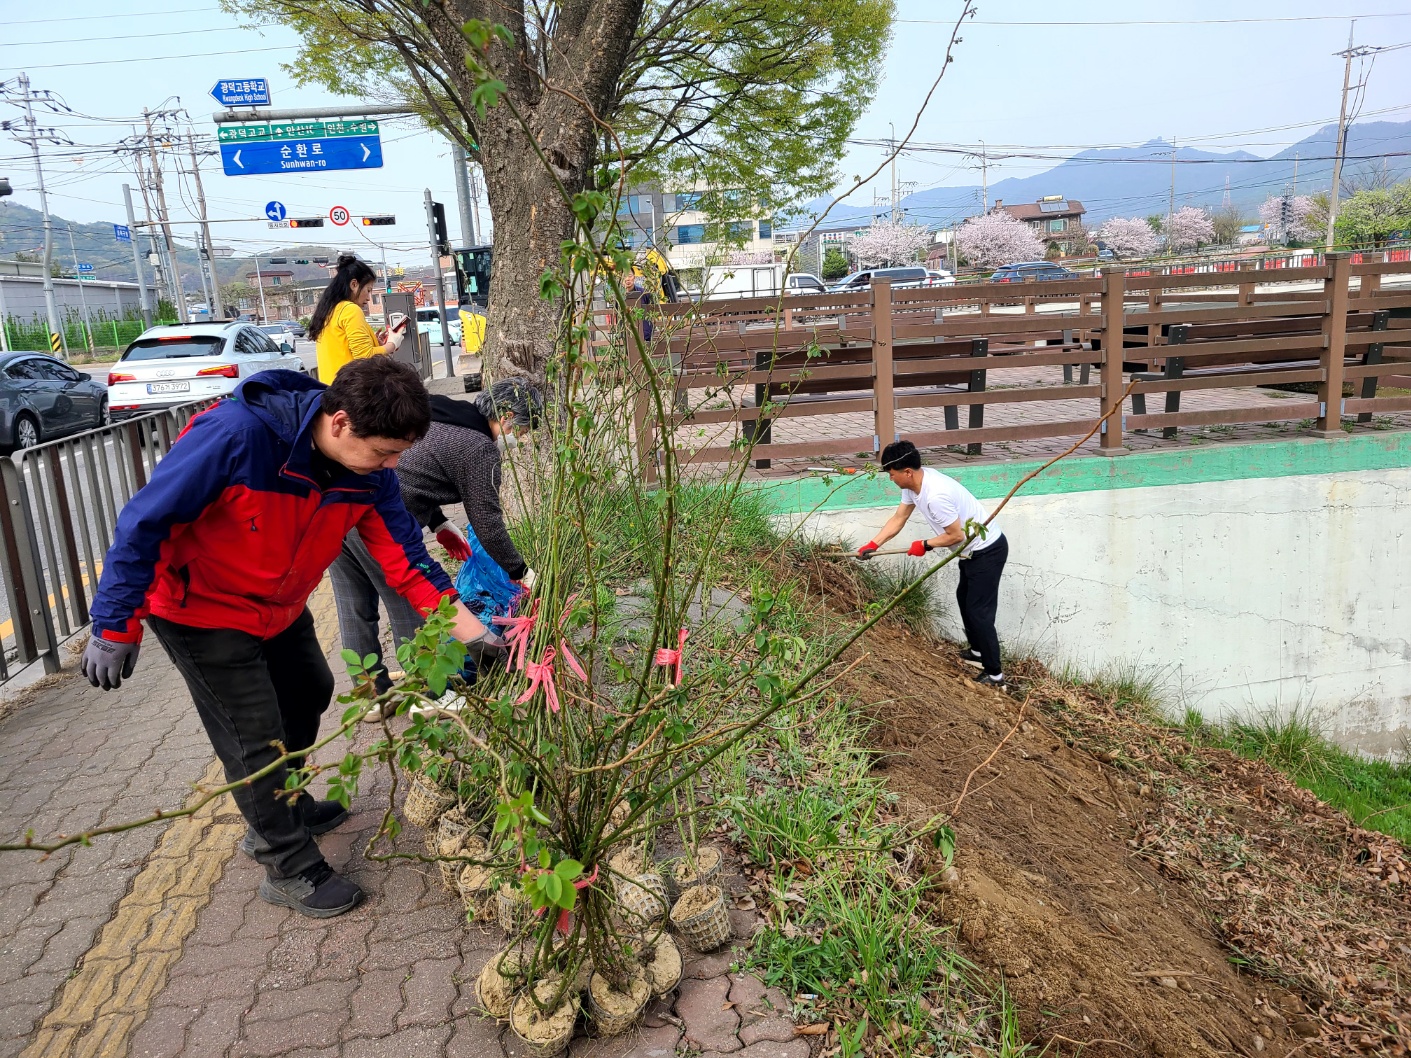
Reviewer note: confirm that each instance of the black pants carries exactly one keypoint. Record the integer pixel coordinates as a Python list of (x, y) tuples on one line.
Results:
[(978, 596), (251, 693)]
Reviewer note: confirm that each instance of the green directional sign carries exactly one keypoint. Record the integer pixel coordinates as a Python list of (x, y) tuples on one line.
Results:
[(294, 130), (242, 133)]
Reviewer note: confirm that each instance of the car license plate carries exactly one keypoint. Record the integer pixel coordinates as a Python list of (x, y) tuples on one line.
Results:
[(168, 387)]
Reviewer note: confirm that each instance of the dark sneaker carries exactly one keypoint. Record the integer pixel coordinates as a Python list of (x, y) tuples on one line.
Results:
[(986, 680), (318, 893), (319, 816), (971, 656)]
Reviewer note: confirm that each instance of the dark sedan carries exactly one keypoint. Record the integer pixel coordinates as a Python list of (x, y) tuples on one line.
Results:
[(42, 398)]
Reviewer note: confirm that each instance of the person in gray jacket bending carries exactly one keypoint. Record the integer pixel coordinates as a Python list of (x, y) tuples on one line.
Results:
[(458, 461)]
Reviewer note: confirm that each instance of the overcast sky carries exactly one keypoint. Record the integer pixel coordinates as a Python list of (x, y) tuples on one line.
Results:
[(1057, 72)]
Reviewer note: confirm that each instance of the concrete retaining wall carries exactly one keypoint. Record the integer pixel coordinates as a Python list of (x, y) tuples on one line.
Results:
[(1252, 578)]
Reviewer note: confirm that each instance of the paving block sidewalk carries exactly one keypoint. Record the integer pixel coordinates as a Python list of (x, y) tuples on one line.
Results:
[(155, 943)]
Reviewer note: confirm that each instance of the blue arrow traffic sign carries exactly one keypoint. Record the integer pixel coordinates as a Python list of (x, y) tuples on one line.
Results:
[(244, 92), (301, 156), (122, 233), (273, 210), (84, 266)]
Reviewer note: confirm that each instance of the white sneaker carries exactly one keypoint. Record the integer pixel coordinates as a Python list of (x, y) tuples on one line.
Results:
[(450, 702)]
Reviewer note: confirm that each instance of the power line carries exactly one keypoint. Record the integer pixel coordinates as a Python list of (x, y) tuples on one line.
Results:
[(156, 58), (115, 14), (1154, 22), (126, 36)]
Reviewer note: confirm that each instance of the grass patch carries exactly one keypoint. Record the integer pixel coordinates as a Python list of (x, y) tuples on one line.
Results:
[(1376, 794)]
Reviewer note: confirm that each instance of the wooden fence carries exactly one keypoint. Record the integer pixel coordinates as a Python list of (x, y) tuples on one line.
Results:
[(762, 361)]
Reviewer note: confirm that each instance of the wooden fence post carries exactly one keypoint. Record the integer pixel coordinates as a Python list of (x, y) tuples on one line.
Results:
[(1335, 289), (885, 406), (643, 412), (1114, 291)]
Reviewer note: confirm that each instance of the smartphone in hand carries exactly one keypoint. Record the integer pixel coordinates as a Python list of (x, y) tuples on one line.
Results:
[(397, 321)]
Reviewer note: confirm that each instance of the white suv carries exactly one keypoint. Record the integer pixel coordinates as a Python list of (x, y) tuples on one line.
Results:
[(171, 365)]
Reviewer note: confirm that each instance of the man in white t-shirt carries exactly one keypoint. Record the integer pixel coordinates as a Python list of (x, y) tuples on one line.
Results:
[(947, 506)]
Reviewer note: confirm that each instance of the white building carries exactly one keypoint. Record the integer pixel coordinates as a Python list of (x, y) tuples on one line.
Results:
[(674, 223)]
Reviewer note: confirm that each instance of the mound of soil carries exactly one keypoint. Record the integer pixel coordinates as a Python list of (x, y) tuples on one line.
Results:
[(1072, 882)]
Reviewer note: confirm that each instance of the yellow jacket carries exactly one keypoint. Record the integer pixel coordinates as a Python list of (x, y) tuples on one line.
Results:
[(346, 336)]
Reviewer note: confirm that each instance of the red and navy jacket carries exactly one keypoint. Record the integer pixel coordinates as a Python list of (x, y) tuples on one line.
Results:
[(233, 532)]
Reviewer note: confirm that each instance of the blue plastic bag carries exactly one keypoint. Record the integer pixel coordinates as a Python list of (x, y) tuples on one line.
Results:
[(484, 587)]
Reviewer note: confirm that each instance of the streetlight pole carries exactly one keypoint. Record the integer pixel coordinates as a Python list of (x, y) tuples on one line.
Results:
[(82, 297), (260, 282)]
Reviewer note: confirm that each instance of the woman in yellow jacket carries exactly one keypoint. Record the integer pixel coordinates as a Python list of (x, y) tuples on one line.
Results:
[(339, 325)]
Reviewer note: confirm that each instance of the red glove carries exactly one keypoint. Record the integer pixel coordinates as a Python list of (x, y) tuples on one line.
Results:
[(918, 548), (456, 545), (865, 551)]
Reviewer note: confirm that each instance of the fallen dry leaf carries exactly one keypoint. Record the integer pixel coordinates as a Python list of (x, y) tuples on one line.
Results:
[(813, 1030)]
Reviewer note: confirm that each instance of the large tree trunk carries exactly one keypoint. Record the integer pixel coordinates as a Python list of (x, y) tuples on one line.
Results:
[(537, 149)]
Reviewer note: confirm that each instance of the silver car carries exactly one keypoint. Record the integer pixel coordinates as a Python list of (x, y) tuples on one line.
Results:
[(172, 365), (42, 398)]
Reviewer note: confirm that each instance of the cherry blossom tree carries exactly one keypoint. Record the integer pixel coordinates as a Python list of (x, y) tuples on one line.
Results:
[(1190, 226), (1299, 224), (1128, 236), (998, 239), (889, 243)]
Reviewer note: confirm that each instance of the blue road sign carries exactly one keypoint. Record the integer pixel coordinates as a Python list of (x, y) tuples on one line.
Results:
[(122, 233), (84, 266), (273, 210), (246, 92), (301, 156)]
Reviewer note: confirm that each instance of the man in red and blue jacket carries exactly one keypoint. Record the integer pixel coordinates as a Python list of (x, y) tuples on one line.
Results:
[(220, 552)]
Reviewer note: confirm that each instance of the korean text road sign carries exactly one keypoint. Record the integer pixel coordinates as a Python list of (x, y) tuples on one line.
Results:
[(247, 92), (85, 266), (295, 156), (339, 215), (122, 233), (275, 210)]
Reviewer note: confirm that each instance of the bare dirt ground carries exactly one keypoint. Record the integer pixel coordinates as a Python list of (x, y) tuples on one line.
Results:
[(1134, 894)]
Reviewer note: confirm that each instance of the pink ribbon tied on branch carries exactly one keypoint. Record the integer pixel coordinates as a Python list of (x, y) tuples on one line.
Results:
[(573, 665), (541, 675), (672, 658), (517, 633), (565, 916)]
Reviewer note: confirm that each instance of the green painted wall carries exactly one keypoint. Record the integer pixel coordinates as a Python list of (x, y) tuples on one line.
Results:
[(1217, 462)]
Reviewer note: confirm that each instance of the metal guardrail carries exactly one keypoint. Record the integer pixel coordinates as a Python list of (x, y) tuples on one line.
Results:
[(59, 505)]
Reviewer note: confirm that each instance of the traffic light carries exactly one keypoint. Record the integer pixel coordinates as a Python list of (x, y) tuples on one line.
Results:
[(301, 260), (306, 222), (5, 188), (321, 260), (279, 260), (438, 217), (372, 222)]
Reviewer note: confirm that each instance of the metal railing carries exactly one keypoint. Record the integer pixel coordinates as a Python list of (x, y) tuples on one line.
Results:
[(59, 505)]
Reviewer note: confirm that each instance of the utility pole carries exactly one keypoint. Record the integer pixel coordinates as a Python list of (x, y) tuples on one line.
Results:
[(82, 297), (1295, 172), (440, 287), (985, 176), (892, 143), (260, 282), (50, 308), (458, 153), (1342, 138), (137, 258), (217, 309), (475, 207), (163, 217), (1171, 205)]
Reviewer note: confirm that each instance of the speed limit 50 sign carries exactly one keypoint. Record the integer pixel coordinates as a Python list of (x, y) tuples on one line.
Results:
[(339, 215)]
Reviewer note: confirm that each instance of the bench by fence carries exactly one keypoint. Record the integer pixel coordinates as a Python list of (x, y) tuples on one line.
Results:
[(887, 350), (59, 504)]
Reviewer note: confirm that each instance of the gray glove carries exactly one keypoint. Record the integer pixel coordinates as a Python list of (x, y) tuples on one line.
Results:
[(485, 650), (107, 662)]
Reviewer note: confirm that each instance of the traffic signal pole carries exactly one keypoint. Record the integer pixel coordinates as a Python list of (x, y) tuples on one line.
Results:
[(437, 246)]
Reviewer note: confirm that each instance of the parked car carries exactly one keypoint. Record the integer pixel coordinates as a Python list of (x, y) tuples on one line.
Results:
[(42, 398), (282, 333), (171, 365), (295, 328), (803, 283), (428, 322), (1038, 270), (909, 276), (939, 277)]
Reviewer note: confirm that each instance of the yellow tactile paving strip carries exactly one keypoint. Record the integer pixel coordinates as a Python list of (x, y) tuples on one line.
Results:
[(109, 995)]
